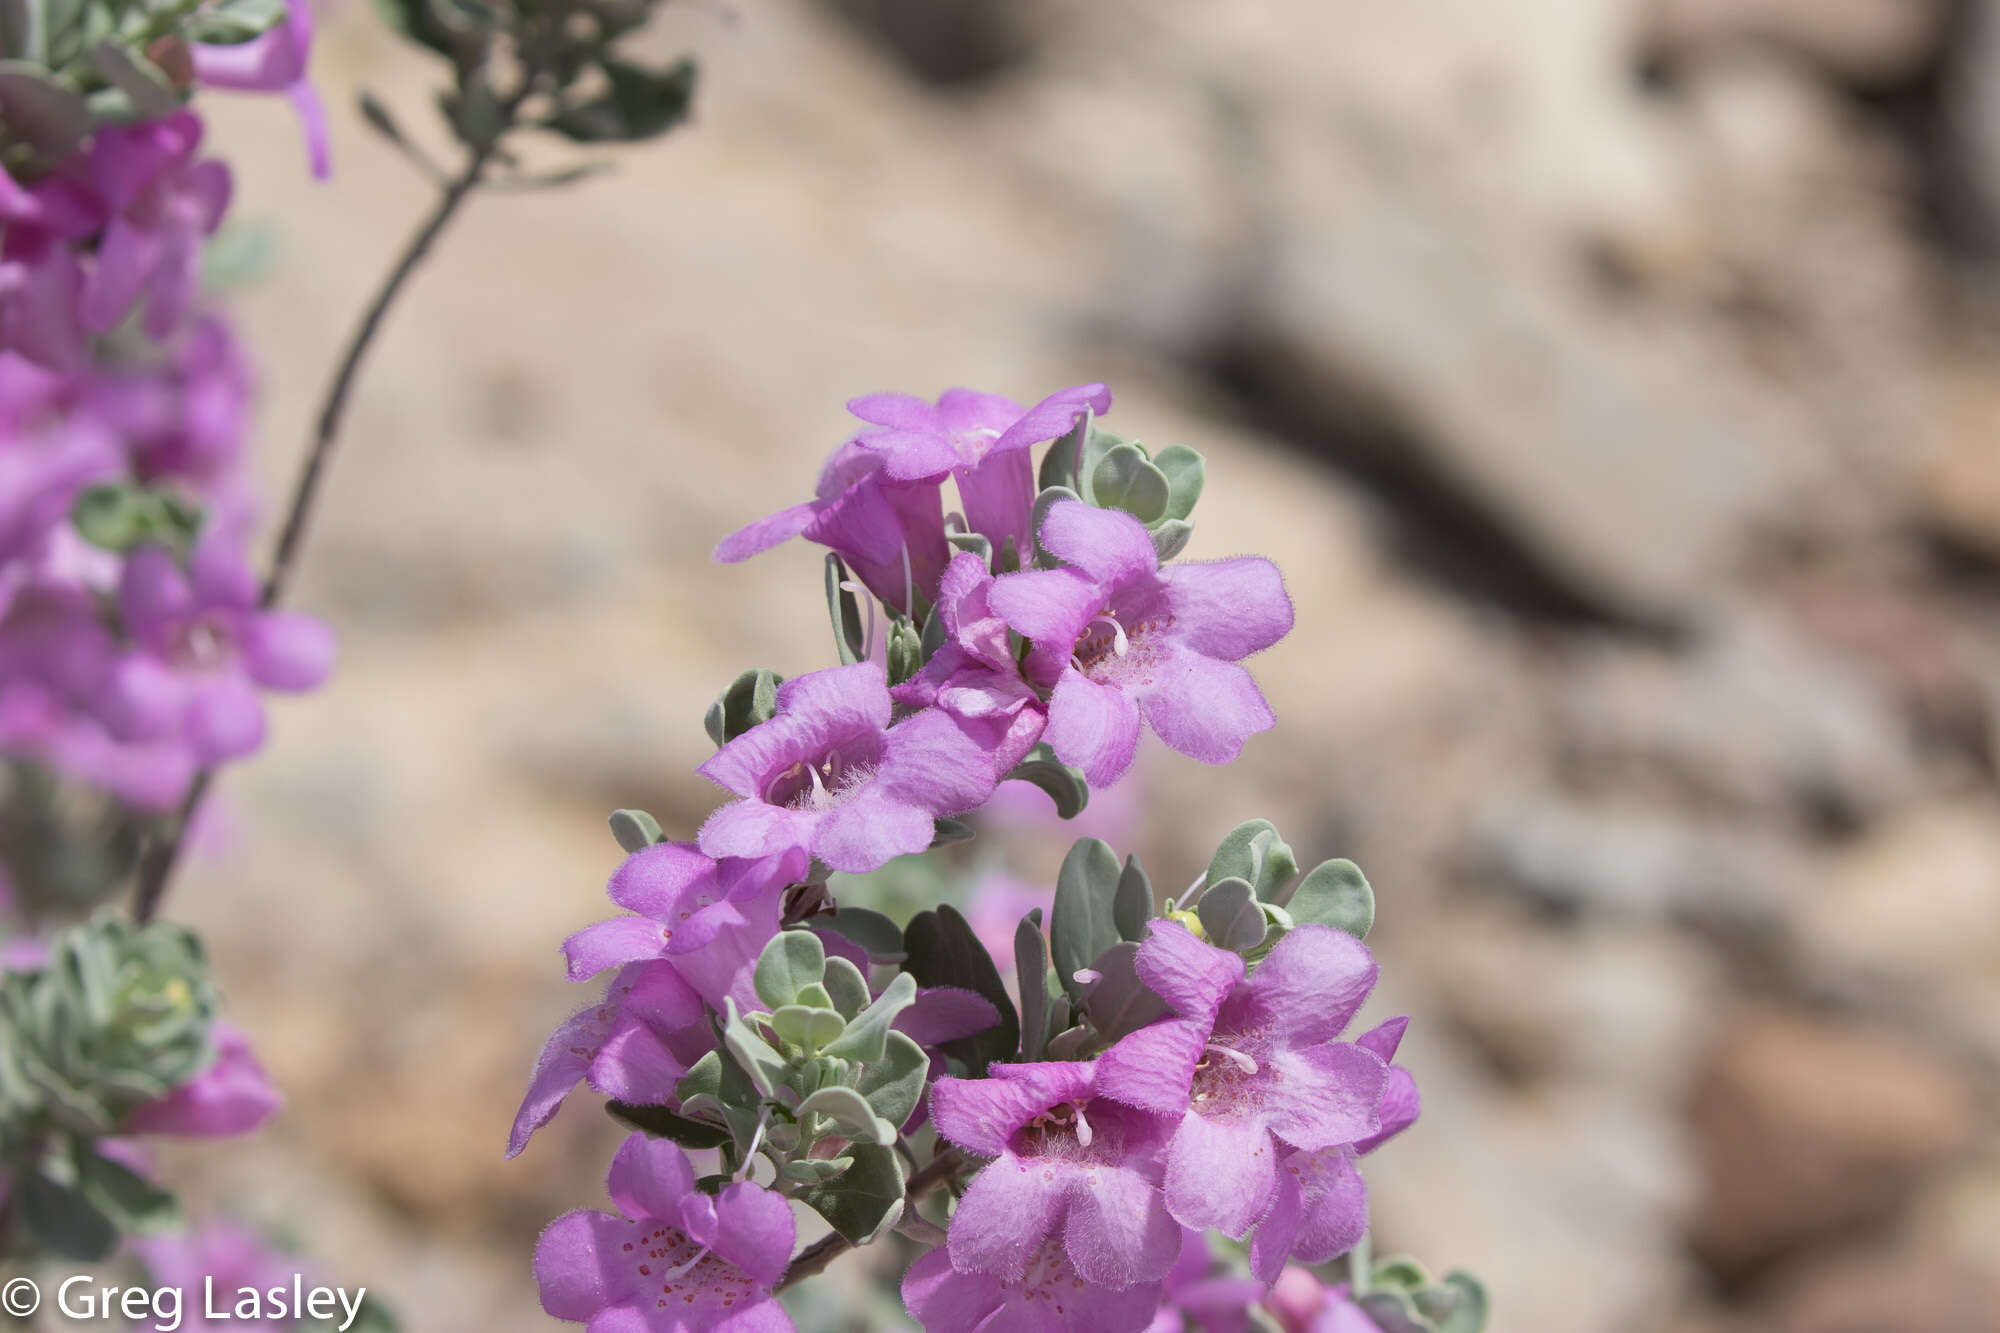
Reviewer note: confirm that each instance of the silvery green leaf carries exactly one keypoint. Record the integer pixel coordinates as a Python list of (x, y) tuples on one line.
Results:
[(807, 1028), (1117, 1002), (1184, 470), (850, 630), (1081, 922), (639, 103), (1096, 445), (751, 698), (1392, 1312), (862, 1039), (151, 93), (1126, 479), (703, 1078), (1170, 538), (961, 540), (947, 831), (1060, 464), (850, 1110), (1253, 851), (867, 1200), (133, 1203), (754, 1056), (1469, 1310), (228, 22), (793, 960), (815, 1170), (1230, 916), (1335, 893), (1031, 968), (905, 651), (894, 1084), (1132, 904), (635, 829), (1049, 498), (41, 113), (1065, 785), (845, 987), (942, 950), (61, 1221)]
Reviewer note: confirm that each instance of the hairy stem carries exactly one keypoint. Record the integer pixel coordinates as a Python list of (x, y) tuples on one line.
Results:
[(156, 867), (814, 1258)]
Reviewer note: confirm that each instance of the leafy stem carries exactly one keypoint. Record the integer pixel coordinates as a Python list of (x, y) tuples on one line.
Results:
[(814, 1258)]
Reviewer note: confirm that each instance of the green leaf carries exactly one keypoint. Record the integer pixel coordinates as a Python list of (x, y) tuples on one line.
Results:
[(866, 1200), (1031, 971), (1335, 893), (1472, 1308), (947, 831), (850, 1110), (941, 950), (815, 1170), (1046, 500), (751, 699), (960, 540), (806, 1027), (1065, 785), (863, 1038), (1117, 1002), (845, 987), (132, 1202), (905, 651), (41, 113), (61, 1221), (1170, 538), (228, 22), (1184, 470), (440, 28), (1082, 924), (639, 103), (1253, 851), (1393, 1312), (118, 516), (149, 90), (766, 1069), (793, 960), (635, 830), (1126, 479), (894, 1084), (1132, 904), (1059, 464), (664, 1124), (880, 937), (850, 633), (1231, 917)]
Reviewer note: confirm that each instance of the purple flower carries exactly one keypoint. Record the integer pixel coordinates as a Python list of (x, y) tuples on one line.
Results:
[(184, 417), (206, 649), (684, 1261), (1067, 1166), (972, 675), (233, 1095), (891, 534), (274, 61), (981, 440), (709, 919), (1245, 1064), (634, 1046), (828, 774), (1049, 1296), (1199, 1300), (226, 1256), (1116, 635), (163, 205), (1301, 1303), (41, 277)]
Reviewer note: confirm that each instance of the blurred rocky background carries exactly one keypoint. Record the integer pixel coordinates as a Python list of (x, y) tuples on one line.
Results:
[(1617, 381)]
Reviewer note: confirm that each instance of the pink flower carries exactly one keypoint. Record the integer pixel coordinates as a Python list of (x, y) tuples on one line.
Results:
[(1116, 635), (830, 776), (684, 1261), (972, 675), (225, 1256), (1049, 1296), (233, 1095), (162, 205), (273, 61), (1249, 1068)]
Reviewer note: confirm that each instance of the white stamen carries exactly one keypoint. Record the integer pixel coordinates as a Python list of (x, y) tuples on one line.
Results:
[(1119, 643), (1237, 1058), (1082, 1128)]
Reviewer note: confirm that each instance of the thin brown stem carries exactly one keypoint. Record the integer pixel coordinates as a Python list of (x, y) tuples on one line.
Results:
[(814, 1258), (156, 866)]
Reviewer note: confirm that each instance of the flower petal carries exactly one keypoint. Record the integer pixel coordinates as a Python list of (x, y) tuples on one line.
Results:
[(1311, 985), (1153, 1068), (755, 1231), (1221, 1174), (1109, 545), (1118, 1231), (1229, 608), (1204, 708), (649, 1178), (608, 944), (1006, 1211), (1095, 727), (1190, 974)]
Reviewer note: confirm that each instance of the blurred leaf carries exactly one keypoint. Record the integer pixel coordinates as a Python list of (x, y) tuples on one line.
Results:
[(38, 112), (133, 1203), (61, 1221), (638, 103)]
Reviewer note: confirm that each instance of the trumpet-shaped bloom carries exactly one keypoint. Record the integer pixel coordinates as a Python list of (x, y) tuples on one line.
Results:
[(980, 439), (633, 1046), (972, 675), (678, 1261), (274, 61), (1248, 1067), (1049, 1296), (829, 775), (1068, 1166), (1116, 637), (162, 205)]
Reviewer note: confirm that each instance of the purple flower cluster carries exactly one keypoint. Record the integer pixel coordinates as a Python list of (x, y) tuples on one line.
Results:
[(129, 662), (1241, 1112)]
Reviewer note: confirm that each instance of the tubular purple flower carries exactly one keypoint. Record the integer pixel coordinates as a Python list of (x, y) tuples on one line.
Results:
[(162, 206), (273, 61), (682, 1262), (1050, 1296), (1068, 1166), (981, 440), (830, 776), (1116, 635), (972, 675), (1248, 1067)]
